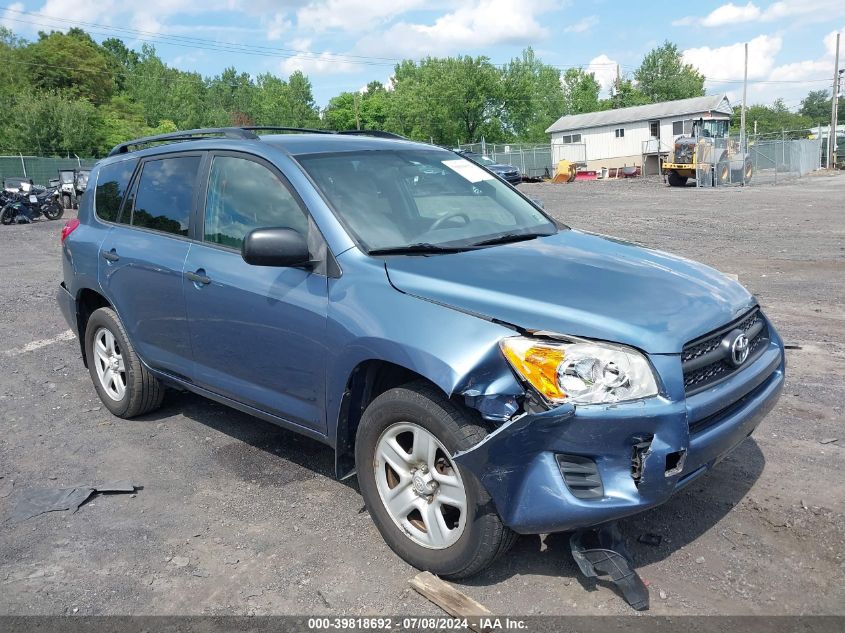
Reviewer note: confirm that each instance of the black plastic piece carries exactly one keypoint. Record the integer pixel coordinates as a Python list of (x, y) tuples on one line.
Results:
[(278, 128), (275, 247), (581, 476), (601, 553)]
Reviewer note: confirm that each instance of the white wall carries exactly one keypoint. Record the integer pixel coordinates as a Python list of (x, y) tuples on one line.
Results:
[(601, 142)]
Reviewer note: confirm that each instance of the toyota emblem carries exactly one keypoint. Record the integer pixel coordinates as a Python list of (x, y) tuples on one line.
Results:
[(739, 349)]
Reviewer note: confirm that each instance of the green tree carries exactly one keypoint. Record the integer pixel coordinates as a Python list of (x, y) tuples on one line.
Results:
[(72, 64), (533, 97), (817, 104), (775, 118), (663, 75), (580, 91)]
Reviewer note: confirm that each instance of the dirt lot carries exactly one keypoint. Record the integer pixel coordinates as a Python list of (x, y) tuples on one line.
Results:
[(237, 516)]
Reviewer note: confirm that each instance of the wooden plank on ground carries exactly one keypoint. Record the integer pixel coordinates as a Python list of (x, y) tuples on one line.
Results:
[(452, 601)]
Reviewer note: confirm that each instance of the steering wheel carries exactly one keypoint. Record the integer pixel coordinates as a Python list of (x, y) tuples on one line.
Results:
[(449, 216)]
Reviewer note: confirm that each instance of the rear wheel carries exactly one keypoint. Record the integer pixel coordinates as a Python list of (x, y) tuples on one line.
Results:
[(124, 385), (66, 203), (53, 211), (676, 180), (432, 513), (748, 171)]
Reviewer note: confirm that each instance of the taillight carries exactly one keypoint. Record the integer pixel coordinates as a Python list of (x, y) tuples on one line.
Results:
[(68, 228)]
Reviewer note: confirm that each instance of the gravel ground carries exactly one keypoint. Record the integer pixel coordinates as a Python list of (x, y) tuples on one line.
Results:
[(238, 516)]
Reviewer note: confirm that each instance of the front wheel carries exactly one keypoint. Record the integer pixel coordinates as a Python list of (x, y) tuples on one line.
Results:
[(676, 180), (435, 515), (53, 211), (124, 385), (7, 215)]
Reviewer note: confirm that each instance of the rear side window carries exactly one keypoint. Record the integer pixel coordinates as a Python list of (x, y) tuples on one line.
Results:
[(111, 188), (165, 194)]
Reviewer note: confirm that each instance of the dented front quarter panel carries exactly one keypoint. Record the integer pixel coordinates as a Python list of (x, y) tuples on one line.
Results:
[(458, 352)]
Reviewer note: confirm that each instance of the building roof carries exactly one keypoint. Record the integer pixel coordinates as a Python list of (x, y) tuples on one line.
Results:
[(682, 107)]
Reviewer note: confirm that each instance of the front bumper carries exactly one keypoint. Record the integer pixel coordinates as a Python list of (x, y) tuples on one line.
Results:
[(517, 464)]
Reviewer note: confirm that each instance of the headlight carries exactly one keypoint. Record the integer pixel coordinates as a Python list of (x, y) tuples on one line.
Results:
[(581, 372)]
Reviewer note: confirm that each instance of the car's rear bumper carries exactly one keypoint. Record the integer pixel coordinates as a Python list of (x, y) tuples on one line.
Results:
[(519, 468), (67, 304)]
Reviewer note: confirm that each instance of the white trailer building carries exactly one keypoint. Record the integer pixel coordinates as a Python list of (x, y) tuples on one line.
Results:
[(641, 135)]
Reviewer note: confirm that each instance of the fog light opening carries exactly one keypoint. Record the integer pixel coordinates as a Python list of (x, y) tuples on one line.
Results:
[(639, 452), (675, 462)]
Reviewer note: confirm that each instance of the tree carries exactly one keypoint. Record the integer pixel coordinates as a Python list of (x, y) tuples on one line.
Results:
[(817, 104), (580, 91), (533, 97), (72, 64), (663, 75), (775, 119)]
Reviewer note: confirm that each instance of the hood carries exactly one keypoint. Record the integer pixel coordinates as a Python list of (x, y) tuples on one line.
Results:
[(580, 284)]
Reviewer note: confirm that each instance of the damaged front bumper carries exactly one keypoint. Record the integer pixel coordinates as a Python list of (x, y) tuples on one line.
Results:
[(575, 467)]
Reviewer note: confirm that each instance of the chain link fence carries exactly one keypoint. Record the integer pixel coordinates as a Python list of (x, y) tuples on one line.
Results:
[(729, 162), (40, 170), (534, 161)]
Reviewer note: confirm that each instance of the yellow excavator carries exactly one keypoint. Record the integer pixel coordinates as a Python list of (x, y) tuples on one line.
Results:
[(711, 152)]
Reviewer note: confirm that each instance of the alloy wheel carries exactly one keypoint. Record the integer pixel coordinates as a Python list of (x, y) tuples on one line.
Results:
[(108, 361), (419, 485)]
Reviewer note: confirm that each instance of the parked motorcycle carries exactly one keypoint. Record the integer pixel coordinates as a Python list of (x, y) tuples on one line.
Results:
[(30, 204)]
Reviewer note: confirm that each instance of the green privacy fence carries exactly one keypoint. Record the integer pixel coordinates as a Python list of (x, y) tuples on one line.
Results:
[(40, 169)]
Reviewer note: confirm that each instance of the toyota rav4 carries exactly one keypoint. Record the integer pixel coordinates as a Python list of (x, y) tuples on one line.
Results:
[(485, 370)]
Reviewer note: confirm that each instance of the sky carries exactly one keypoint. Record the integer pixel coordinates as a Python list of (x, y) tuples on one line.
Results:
[(343, 44)]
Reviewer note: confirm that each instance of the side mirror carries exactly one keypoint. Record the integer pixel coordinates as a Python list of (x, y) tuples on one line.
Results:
[(275, 247)]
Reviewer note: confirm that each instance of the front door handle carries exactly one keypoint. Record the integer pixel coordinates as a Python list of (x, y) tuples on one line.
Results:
[(198, 277), (111, 255)]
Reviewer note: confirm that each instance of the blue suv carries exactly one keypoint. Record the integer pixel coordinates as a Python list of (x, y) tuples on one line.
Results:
[(485, 370)]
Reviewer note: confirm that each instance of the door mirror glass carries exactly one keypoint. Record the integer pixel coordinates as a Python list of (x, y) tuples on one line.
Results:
[(275, 247)]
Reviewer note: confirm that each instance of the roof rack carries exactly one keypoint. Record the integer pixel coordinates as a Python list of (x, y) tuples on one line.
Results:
[(276, 128), (186, 135), (377, 133), (243, 133)]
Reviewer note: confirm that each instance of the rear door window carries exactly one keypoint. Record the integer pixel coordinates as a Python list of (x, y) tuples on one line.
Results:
[(112, 183), (165, 194)]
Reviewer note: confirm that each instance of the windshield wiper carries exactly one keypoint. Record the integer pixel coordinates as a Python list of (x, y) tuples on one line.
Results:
[(510, 237), (420, 248)]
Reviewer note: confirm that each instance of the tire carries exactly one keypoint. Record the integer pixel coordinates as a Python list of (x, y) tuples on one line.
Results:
[(53, 211), (676, 180), (7, 215), (748, 171), (66, 204), (479, 534), (142, 392), (722, 174)]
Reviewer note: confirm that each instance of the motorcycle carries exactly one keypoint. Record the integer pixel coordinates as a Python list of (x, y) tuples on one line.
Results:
[(22, 207)]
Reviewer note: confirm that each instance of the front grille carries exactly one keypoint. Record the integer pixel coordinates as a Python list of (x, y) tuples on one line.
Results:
[(706, 360)]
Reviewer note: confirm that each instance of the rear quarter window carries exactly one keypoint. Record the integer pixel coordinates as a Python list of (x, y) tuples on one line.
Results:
[(112, 182)]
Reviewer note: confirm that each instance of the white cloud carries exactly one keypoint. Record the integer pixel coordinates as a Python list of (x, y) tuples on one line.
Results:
[(731, 14), (477, 24), (604, 70), (351, 15), (583, 25), (10, 14), (726, 62), (277, 26), (311, 63)]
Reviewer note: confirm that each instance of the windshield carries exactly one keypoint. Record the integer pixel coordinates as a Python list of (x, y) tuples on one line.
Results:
[(401, 198), (481, 160), (66, 176), (713, 129)]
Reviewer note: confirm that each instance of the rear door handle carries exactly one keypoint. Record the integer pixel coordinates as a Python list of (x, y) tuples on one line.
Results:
[(111, 255), (198, 277)]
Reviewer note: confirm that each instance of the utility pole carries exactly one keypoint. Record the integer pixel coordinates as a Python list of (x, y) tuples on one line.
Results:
[(742, 137), (834, 104)]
